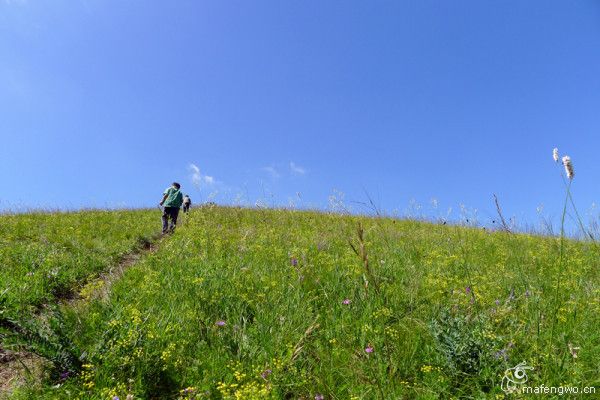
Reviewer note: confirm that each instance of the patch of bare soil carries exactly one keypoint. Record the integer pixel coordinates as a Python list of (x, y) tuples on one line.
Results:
[(20, 368)]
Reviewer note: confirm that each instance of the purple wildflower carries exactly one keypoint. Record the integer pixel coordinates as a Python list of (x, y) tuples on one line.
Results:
[(266, 373), (346, 301), (369, 349), (501, 354), (468, 289), (294, 261), (220, 323), (511, 295), (319, 396), (497, 302), (116, 398), (64, 375)]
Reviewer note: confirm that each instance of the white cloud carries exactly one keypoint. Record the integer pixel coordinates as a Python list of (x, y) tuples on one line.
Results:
[(272, 171), (198, 179), (296, 169)]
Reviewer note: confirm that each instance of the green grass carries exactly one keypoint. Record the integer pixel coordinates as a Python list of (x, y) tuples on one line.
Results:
[(43, 255), (445, 309), (48, 257)]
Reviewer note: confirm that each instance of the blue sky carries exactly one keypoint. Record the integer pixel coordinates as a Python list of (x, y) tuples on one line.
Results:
[(104, 103)]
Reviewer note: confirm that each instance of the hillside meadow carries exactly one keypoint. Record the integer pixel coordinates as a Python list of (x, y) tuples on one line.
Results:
[(279, 304), (43, 255), (46, 258)]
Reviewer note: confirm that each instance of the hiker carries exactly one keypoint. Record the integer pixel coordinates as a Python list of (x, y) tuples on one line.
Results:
[(187, 203), (171, 202)]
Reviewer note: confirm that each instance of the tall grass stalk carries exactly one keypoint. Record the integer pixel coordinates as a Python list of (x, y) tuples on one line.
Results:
[(560, 259)]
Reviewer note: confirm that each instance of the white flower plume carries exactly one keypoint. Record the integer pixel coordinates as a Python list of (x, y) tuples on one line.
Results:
[(566, 160)]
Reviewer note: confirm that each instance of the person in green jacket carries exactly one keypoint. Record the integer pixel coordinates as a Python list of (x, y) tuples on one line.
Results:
[(171, 202)]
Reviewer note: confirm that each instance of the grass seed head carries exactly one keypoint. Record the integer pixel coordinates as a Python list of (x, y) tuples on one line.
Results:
[(566, 160)]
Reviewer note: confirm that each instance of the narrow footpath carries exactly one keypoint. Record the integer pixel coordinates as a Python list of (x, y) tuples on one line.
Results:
[(25, 367)]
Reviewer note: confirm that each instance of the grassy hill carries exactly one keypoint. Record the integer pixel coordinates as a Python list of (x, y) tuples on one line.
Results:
[(43, 255), (261, 304)]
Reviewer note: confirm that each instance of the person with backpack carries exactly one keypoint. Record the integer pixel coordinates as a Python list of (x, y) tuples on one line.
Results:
[(187, 203), (171, 202)]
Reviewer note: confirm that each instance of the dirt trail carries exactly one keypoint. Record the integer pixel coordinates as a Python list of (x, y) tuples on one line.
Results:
[(100, 287), (19, 368), (23, 367)]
